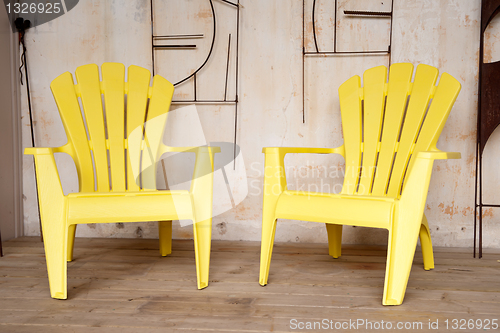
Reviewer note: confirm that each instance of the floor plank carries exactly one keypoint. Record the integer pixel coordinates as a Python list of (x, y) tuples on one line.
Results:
[(123, 285)]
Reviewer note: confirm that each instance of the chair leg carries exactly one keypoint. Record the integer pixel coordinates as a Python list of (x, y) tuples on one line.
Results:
[(71, 241), (334, 239), (202, 242), (426, 244), (266, 249), (400, 252), (55, 228), (165, 230), (55, 234)]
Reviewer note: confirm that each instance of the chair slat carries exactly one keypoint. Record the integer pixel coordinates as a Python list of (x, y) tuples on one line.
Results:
[(137, 101), (374, 80), (64, 93), (350, 106), (423, 84), (113, 78), (89, 85), (444, 98), (397, 94), (159, 105)]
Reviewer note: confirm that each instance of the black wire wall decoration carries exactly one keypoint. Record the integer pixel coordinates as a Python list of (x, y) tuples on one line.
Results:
[(156, 46), (21, 26), (335, 51), (488, 118)]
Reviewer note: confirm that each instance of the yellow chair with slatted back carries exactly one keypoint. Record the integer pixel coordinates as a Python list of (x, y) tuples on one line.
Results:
[(116, 166), (389, 148)]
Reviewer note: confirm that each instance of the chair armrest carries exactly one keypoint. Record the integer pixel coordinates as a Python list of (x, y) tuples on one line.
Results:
[(438, 155), (39, 151), (47, 175), (67, 148), (303, 150), (417, 181), (274, 170), (196, 150)]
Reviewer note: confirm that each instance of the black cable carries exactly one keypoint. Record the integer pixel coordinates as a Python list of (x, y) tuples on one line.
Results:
[(28, 92), (21, 40), (21, 26)]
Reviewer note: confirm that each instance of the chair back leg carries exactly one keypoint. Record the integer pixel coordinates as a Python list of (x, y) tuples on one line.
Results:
[(165, 231), (426, 244), (334, 239), (71, 241)]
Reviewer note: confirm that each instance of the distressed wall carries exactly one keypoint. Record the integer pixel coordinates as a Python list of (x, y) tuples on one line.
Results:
[(441, 33)]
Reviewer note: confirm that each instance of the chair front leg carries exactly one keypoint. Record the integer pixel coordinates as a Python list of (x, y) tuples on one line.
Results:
[(400, 253), (53, 209), (202, 231), (404, 231), (274, 185), (55, 234), (202, 192)]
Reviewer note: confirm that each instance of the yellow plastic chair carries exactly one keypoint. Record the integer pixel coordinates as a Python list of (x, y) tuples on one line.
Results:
[(389, 149), (116, 166)]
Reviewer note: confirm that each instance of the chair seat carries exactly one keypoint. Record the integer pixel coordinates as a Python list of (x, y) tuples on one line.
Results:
[(127, 193), (136, 206), (364, 211)]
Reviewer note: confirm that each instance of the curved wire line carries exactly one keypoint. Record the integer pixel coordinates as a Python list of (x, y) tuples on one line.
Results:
[(493, 14), (314, 25), (23, 56), (209, 53)]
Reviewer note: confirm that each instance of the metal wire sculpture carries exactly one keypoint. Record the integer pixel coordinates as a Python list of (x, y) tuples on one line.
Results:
[(335, 52), (488, 117)]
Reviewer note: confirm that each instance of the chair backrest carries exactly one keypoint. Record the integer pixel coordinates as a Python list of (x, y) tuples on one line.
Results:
[(115, 112), (385, 122)]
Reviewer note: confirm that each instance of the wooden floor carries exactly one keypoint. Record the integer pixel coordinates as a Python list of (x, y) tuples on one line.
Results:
[(122, 285)]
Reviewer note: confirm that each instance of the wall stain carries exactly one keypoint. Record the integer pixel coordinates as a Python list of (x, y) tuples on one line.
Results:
[(203, 14), (183, 234), (467, 210), (221, 228), (44, 119), (488, 212), (470, 159), (450, 209)]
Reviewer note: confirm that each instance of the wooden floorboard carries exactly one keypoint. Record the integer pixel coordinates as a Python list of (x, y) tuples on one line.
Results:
[(123, 285)]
